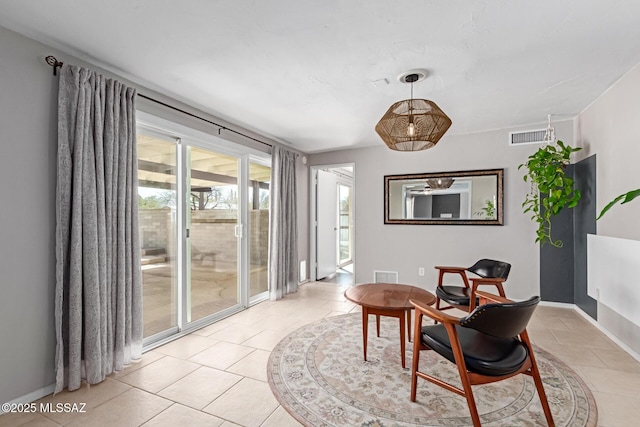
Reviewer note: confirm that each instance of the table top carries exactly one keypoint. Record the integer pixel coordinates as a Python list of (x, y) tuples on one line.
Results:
[(388, 295)]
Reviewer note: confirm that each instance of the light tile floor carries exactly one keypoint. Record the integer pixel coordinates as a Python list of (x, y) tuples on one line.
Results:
[(217, 375)]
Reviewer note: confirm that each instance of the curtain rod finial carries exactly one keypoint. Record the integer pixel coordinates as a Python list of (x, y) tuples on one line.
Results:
[(51, 60)]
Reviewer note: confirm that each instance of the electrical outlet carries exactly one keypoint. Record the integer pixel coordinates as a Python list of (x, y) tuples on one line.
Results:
[(421, 271)]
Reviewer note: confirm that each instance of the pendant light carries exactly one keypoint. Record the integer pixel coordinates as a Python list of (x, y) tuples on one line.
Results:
[(413, 124), (439, 183)]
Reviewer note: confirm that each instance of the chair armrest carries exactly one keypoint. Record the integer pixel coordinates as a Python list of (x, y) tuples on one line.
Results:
[(435, 314), (492, 297), (487, 280), (449, 269)]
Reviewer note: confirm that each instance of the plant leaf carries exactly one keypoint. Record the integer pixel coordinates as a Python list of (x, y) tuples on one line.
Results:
[(629, 196), (626, 198)]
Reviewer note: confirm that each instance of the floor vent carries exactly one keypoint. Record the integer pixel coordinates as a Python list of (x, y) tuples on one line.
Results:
[(527, 137), (385, 276)]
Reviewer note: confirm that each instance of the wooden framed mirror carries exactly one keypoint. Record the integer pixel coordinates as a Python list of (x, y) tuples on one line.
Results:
[(445, 198)]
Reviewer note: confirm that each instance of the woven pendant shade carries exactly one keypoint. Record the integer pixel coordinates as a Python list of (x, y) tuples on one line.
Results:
[(440, 183), (429, 124)]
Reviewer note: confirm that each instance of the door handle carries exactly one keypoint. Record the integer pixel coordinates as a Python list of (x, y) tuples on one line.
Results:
[(238, 231)]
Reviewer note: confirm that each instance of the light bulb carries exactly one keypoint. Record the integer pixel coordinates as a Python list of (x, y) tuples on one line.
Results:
[(411, 130)]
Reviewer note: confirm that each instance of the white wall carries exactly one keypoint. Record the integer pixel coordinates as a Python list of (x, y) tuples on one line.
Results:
[(405, 248), (610, 128), (28, 146)]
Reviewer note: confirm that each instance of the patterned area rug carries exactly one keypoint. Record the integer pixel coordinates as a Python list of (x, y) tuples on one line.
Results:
[(319, 376)]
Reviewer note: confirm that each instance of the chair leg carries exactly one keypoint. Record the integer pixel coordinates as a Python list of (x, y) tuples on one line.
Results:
[(543, 396), (535, 373), (471, 402), (464, 376), (417, 327), (378, 325)]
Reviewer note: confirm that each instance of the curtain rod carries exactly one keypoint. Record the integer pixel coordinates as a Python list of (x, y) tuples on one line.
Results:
[(220, 127), (52, 61)]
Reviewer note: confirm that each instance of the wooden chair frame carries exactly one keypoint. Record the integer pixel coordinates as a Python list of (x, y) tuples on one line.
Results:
[(475, 283), (468, 378)]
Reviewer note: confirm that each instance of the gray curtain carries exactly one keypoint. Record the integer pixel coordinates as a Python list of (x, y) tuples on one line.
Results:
[(98, 298), (283, 230)]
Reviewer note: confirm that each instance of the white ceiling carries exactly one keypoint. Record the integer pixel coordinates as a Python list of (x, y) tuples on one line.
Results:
[(301, 71)]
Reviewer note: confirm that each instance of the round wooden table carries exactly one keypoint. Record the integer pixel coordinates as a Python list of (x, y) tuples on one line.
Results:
[(387, 299)]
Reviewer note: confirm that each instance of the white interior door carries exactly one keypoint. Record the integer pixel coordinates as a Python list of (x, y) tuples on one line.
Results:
[(327, 223)]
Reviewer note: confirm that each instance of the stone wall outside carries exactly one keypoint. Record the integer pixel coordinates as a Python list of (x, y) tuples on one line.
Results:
[(212, 237)]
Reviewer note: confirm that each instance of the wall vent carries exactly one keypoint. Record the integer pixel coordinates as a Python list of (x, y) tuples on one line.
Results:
[(380, 276), (527, 137)]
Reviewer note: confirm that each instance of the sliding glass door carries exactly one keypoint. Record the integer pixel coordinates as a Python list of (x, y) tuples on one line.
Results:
[(204, 227), (213, 240), (258, 197), (157, 195)]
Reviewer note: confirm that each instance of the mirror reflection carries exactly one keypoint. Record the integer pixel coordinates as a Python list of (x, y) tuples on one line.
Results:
[(467, 197)]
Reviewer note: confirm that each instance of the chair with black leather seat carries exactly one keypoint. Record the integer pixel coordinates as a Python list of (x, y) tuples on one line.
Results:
[(487, 345), (488, 272)]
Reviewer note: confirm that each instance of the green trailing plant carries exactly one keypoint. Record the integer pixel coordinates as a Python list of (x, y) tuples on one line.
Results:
[(551, 189), (624, 198), (488, 210)]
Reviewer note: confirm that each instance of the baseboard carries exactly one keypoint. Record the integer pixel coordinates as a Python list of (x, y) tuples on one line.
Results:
[(556, 304), (611, 336), (33, 396), (595, 323)]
